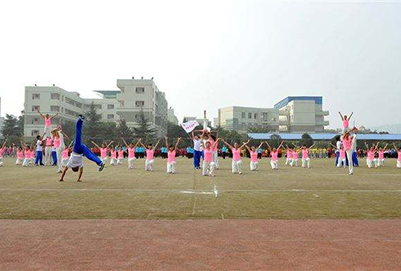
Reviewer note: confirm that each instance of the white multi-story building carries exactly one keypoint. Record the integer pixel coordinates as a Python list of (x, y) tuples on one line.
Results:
[(302, 114), (134, 96), (241, 119), (171, 117), (299, 114)]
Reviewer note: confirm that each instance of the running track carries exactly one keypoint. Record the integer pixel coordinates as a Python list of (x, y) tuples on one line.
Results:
[(200, 245)]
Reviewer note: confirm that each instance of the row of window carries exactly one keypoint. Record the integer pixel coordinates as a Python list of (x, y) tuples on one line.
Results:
[(53, 96), (265, 116)]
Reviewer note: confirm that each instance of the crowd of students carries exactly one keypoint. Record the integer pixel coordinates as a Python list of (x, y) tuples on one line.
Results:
[(50, 149)]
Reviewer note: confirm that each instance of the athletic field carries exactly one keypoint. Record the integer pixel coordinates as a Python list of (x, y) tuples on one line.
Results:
[(322, 191), (291, 219)]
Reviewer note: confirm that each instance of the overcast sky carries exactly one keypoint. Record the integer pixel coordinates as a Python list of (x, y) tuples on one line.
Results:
[(207, 55)]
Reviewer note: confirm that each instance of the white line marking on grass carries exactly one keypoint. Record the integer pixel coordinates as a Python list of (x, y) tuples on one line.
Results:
[(215, 191)]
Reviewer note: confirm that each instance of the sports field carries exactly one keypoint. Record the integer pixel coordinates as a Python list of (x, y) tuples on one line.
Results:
[(322, 192)]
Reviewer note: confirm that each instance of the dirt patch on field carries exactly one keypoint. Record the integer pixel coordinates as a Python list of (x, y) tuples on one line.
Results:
[(200, 245)]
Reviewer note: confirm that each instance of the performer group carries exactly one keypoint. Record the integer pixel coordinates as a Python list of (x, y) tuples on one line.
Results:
[(204, 150)]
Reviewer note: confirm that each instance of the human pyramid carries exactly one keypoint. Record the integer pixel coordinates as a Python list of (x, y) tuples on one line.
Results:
[(205, 146)]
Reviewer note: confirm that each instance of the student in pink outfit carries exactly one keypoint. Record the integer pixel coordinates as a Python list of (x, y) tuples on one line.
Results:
[(237, 160), (288, 160), (294, 161), (171, 153), (104, 150), (28, 156), (48, 122), (253, 153), (345, 121), (2, 151), (131, 153), (349, 144), (305, 156), (120, 158), (208, 165), (380, 160), (20, 156), (150, 155), (65, 156), (274, 155), (113, 160), (370, 158), (399, 155)]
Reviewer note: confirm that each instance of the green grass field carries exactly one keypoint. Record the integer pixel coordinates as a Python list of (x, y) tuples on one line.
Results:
[(117, 193)]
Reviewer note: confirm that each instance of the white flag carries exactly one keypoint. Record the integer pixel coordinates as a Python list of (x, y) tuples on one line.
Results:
[(189, 126)]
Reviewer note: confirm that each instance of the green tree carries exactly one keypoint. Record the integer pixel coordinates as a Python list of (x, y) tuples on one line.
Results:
[(107, 132), (92, 127), (143, 130), (306, 140), (175, 131), (10, 126), (275, 141), (123, 131), (21, 121)]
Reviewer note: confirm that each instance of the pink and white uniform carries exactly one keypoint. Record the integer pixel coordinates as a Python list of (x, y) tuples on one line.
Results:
[(113, 160), (171, 161), (274, 159), (237, 161), (208, 165), (399, 159), (150, 158), (254, 160), (305, 158), (131, 157)]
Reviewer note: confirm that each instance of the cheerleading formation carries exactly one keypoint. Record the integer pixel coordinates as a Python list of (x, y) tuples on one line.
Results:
[(205, 143)]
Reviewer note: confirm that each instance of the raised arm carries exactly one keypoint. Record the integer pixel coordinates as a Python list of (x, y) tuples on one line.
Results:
[(137, 143), (178, 141), (350, 116), (377, 144), (281, 144), (4, 143), (158, 141), (367, 146), (385, 147), (55, 115), (260, 145), (111, 142), (312, 146), (228, 145), (268, 146), (41, 114), (95, 144), (245, 143), (125, 143), (341, 115), (249, 149)]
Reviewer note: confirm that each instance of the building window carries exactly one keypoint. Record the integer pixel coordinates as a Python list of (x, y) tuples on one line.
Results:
[(35, 121), (55, 108), (243, 115), (264, 116), (110, 106), (35, 108), (110, 116), (140, 90), (255, 116), (34, 132), (139, 103), (249, 115), (55, 96), (71, 113), (35, 96)]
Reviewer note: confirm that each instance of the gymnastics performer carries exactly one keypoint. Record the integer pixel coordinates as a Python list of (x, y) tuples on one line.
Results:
[(305, 156), (20, 156), (131, 152), (253, 152), (29, 154), (48, 149), (79, 150), (171, 153), (65, 156), (208, 164), (370, 158), (380, 160), (113, 159), (120, 158), (150, 155), (274, 155), (294, 157), (104, 149), (349, 142), (212, 139), (345, 121), (2, 150), (48, 122), (398, 155), (197, 150), (288, 160), (237, 160), (59, 145)]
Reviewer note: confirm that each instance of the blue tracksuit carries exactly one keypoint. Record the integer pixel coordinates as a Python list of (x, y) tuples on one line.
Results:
[(80, 148)]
